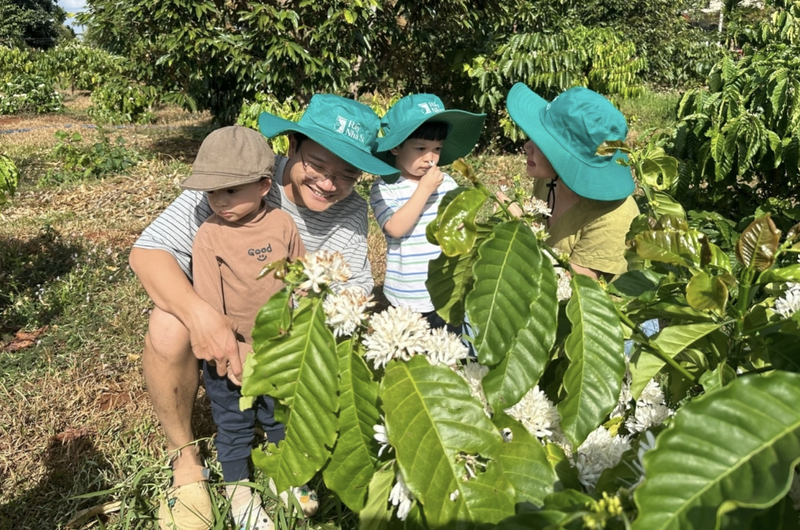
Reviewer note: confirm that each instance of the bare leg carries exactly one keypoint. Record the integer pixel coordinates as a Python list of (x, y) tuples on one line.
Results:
[(172, 377)]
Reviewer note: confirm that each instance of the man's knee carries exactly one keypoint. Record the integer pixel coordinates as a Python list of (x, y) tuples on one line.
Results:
[(167, 338)]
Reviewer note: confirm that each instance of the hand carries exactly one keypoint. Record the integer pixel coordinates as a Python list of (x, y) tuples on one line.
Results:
[(431, 180), (244, 350), (514, 209), (212, 338)]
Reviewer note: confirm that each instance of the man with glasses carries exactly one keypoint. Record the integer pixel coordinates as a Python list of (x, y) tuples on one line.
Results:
[(329, 149)]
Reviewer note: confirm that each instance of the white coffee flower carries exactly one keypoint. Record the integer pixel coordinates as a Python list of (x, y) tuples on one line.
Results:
[(401, 497), (346, 310), (564, 291), (600, 451), (536, 413), (324, 267), (651, 409), (397, 333), (444, 348), (382, 439), (624, 402), (537, 207), (473, 373), (790, 303)]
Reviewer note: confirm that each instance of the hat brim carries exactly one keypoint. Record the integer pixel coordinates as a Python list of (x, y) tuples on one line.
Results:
[(271, 126), (465, 131), (605, 180), (213, 182)]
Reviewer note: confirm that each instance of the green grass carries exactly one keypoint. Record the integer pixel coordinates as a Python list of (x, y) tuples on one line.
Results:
[(649, 112)]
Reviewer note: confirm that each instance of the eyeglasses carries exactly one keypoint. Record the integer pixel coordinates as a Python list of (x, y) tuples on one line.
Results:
[(315, 172)]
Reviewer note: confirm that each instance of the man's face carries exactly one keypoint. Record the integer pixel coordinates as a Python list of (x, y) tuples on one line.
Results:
[(318, 178)]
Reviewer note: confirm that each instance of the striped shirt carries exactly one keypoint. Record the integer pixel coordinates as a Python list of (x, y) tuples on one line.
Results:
[(342, 228), (407, 257)]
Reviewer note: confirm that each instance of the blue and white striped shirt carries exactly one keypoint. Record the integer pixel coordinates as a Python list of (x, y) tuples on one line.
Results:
[(407, 257)]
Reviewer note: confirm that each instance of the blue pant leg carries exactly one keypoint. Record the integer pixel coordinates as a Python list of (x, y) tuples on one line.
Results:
[(235, 428), (265, 414)]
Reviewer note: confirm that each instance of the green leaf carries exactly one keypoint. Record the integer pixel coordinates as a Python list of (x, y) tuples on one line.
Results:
[(783, 351), (735, 447), (717, 378), (525, 463), (498, 306), (707, 292), (300, 371), (758, 244), (376, 513), (596, 360), (666, 205), (431, 408), (635, 283), (784, 274), (566, 473), (457, 231), (518, 372), (670, 246), (533, 520), (354, 457), (451, 278), (274, 318)]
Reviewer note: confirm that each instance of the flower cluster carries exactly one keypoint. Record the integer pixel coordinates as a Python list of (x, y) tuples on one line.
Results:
[(536, 207), (346, 310), (444, 348), (599, 452), (537, 413), (397, 333), (473, 373), (401, 497), (651, 409), (563, 277), (790, 303), (323, 268)]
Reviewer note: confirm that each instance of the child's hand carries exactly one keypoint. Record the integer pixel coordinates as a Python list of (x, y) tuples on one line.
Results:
[(431, 180)]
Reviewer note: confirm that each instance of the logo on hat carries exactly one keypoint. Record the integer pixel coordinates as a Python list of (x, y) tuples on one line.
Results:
[(430, 107), (349, 128)]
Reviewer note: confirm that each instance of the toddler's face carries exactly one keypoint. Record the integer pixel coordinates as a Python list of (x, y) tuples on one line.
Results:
[(238, 203), (416, 156)]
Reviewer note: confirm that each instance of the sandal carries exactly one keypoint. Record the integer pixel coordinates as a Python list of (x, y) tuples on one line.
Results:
[(187, 506), (250, 514), (306, 496)]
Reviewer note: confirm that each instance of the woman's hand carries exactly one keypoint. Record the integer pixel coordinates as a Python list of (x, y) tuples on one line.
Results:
[(514, 209)]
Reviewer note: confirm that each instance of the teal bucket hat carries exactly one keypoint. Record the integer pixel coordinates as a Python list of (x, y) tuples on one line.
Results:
[(344, 127), (405, 116), (568, 131)]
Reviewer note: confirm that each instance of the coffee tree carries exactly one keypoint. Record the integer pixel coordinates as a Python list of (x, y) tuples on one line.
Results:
[(549, 424), (739, 137)]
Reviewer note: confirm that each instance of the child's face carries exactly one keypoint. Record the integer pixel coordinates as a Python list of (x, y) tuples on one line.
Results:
[(239, 203), (538, 165), (415, 157)]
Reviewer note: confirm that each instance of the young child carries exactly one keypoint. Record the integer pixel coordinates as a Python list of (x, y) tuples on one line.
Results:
[(419, 136), (234, 166)]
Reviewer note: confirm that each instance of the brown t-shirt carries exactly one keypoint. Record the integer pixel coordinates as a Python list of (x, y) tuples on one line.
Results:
[(227, 258)]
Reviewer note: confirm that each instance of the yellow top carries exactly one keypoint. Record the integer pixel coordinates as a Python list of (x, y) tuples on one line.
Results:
[(592, 233)]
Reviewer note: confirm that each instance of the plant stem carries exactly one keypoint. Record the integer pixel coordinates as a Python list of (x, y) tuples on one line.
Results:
[(502, 205), (658, 351)]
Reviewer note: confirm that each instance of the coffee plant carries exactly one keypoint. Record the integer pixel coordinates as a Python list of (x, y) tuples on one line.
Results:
[(9, 178), (552, 62), (119, 101), (75, 161), (549, 424), (29, 93), (738, 138)]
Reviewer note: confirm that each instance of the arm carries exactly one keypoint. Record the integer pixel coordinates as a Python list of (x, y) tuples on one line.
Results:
[(160, 258), (404, 219)]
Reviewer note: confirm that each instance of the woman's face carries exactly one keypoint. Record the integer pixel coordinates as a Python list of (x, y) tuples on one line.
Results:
[(538, 167)]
